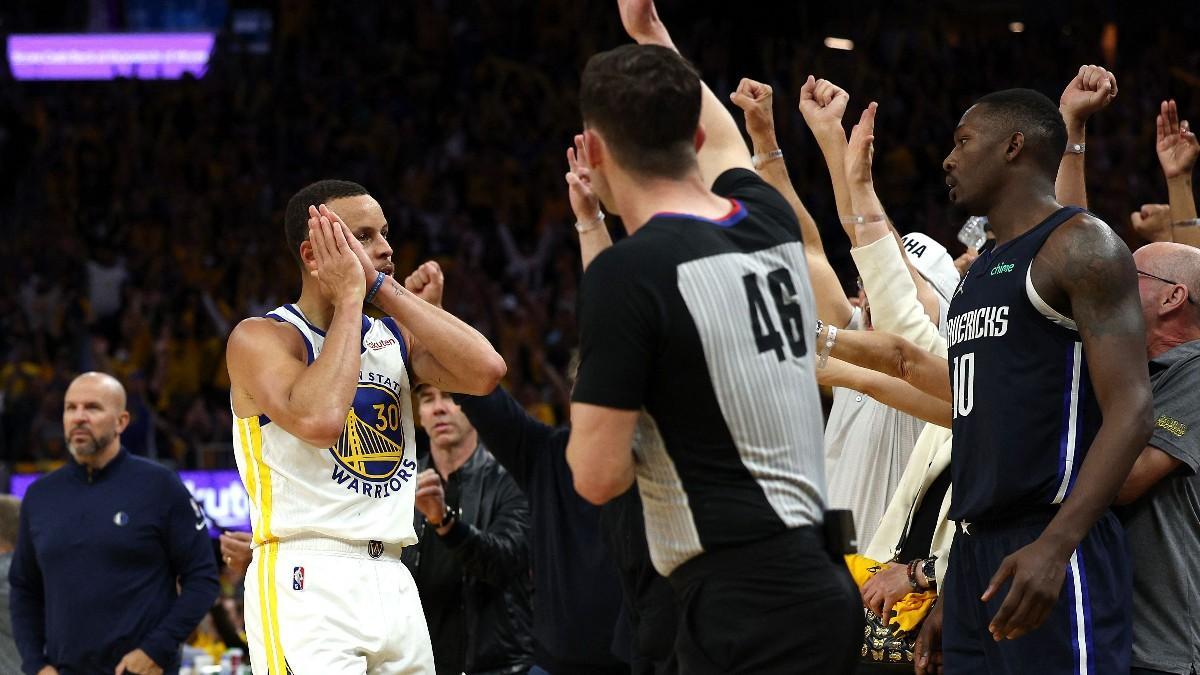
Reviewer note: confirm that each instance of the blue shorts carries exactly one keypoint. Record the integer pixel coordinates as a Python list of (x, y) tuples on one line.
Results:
[(1087, 633)]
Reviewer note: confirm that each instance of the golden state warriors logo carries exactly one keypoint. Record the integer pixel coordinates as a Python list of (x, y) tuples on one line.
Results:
[(370, 453)]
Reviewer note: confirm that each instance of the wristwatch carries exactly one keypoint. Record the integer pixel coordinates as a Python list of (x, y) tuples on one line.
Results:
[(929, 569), (447, 516)]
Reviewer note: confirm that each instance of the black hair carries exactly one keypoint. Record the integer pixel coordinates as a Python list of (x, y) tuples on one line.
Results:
[(295, 216), (645, 101), (1037, 118)]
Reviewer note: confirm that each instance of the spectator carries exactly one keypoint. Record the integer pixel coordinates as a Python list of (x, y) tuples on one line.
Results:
[(471, 564), (10, 515), (569, 557), (113, 566), (867, 443), (1162, 492), (678, 346)]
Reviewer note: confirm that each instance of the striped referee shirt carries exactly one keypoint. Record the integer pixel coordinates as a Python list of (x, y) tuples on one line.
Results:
[(707, 326)]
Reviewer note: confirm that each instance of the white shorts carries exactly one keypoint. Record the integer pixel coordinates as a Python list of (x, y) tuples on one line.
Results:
[(327, 607)]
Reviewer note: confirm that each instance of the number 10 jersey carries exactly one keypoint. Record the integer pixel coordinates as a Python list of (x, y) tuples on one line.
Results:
[(1023, 406)]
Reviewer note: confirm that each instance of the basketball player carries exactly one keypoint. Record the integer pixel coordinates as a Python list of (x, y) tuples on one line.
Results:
[(323, 435), (702, 316), (1051, 406)]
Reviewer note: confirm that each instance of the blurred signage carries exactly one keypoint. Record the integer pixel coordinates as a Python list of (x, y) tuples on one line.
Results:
[(144, 56), (220, 493)]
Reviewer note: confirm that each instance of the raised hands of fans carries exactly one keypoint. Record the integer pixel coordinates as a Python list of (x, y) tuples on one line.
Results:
[(1176, 144), (1089, 91), (822, 104), (584, 201), (1152, 222), (641, 22), (339, 271), (427, 282), (861, 151), (927, 652), (756, 100)]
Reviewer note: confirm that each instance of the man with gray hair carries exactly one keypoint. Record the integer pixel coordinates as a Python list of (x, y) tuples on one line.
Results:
[(113, 566)]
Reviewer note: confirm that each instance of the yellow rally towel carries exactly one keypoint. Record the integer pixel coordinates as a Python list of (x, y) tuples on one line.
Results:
[(908, 612)]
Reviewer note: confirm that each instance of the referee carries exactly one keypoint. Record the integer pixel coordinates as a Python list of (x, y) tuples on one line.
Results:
[(702, 317)]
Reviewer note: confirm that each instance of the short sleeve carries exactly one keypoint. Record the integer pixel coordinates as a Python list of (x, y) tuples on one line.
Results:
[(749, 188), (619, 330), (1177, 415)]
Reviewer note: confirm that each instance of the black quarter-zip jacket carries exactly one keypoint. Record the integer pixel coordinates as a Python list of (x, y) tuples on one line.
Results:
[(97, 559)]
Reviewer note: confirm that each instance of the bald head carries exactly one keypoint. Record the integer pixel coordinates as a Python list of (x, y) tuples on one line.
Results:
[(103, 385), (94, 416), (1171, 296)]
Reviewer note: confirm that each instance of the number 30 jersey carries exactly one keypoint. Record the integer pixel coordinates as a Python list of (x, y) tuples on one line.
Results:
[(363, 487), (1023, 407)]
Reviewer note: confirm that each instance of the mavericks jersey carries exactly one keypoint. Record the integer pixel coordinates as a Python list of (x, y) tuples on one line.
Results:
[(1023, 407), (360, 489)]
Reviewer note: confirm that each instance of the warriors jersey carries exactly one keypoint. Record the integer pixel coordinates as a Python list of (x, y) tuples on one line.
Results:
[(363, 487)]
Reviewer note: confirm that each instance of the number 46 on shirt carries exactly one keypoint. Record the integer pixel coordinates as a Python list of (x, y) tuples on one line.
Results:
[(782, 290)]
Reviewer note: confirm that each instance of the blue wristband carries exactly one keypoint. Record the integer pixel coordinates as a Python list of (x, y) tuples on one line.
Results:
[(375, 288)]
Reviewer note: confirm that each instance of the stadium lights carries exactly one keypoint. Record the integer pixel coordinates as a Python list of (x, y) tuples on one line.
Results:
[(839, 43), (1016, 27)]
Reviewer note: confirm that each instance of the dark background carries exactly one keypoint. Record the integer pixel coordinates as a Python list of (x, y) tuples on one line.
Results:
[(140, 221)]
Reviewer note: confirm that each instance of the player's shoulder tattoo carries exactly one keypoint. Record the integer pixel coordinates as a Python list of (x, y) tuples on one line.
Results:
[(1094, 268)]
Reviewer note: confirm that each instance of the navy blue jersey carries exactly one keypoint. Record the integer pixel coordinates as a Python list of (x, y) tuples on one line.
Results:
[(1024, 410)]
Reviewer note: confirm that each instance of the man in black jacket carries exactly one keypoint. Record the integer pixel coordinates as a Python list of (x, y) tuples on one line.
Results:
[(472, 562), (584, 557)]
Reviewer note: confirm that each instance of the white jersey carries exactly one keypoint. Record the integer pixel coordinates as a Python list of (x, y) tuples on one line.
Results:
[(362, 488)]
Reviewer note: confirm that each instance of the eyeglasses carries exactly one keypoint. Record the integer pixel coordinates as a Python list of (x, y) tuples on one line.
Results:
[(1168, 281)]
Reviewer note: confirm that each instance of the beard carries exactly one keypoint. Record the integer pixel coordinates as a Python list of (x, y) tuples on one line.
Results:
[(89, 446)]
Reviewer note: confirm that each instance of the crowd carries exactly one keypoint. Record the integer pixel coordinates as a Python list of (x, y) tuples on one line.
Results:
[(143, 223), (132, 268)]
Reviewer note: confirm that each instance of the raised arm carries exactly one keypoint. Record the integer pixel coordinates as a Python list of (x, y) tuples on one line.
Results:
[(723, 147), (514, 437), (444, 351), (823, 104), (1094, 270), (890, 391), (868, 221), (891, 355), (755, 99), (1177, 151), (589, 219), (1089, 91), (1152, 222), (268, 370)]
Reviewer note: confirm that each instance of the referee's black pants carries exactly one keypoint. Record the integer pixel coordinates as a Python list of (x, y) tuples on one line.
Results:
[(778, 605)]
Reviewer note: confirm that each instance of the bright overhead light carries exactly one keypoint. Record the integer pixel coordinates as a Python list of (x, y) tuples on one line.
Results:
[(839, 43), (1016, 27)]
